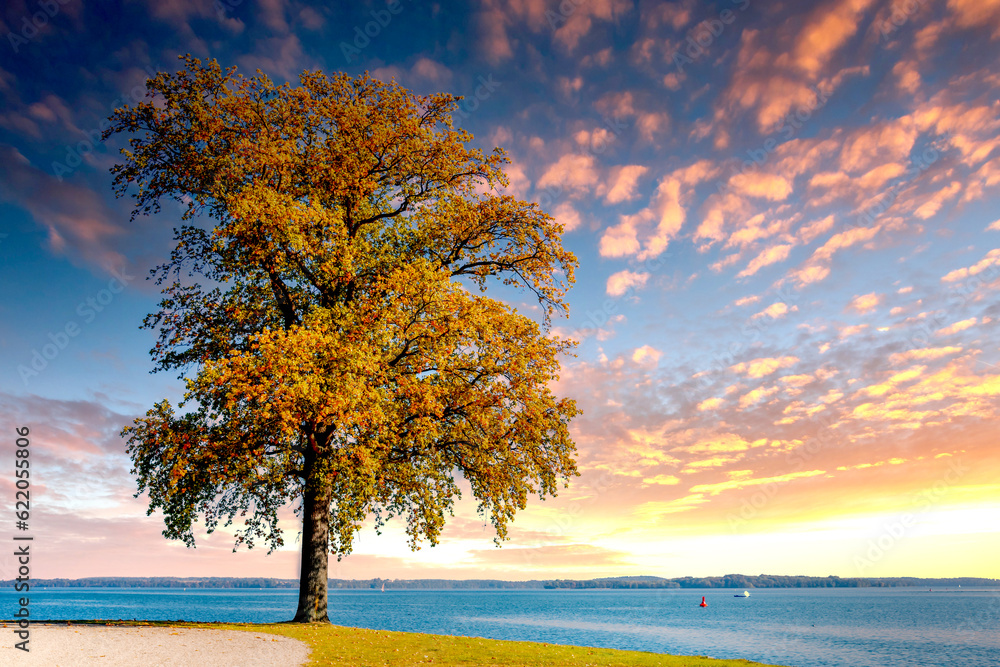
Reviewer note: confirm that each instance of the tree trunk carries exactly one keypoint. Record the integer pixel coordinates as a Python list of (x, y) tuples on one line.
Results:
[(315, 552)]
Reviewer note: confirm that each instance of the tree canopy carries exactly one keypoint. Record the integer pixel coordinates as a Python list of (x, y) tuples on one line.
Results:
[(325, 303)]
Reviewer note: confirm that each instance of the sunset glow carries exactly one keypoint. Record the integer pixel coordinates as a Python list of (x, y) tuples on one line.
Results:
[(787, 218)]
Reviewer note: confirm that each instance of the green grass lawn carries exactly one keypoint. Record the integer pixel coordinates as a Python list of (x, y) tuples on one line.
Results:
[(354, 647)]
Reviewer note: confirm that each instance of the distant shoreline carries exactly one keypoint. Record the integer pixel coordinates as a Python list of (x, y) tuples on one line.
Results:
[(633, 582)]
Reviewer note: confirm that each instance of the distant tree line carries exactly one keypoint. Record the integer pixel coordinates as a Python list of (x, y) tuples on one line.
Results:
[(767, 581), (727, 581)]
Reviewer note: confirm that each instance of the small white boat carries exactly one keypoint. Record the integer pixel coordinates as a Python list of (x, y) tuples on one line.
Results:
[(746, 594)]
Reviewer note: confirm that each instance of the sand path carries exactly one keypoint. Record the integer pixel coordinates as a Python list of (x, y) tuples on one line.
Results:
[(68, 646)]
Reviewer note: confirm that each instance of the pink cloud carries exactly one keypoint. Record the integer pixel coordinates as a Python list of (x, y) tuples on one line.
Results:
[(646, 355), (431, 71), (865, 303), (658, 223), (621, 282), (623, 183), (827, 30), (771, 255), (580, 19), (763, 366), (957, 327), (573, 171), (567, 216), (79, 223), (675, 14), (991, 259), (762, 185), (977, 14), (619, 240)]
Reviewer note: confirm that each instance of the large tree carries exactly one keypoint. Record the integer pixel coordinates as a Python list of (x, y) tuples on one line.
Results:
[(325, 304)]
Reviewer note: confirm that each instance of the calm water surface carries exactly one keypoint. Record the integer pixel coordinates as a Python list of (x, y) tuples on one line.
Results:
[(895, 627)]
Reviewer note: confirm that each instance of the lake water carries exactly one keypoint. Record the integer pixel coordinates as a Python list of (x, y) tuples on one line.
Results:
[(868, 627)]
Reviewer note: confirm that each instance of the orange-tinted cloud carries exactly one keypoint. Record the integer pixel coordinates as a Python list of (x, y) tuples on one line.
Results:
[(758, 368)]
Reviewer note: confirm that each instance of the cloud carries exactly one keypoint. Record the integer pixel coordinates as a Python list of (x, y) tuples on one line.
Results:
[(653, 510), (744, 482), (933, 204), (620, 240), (623, 183), (431, 71), (491, 32), (777, 253), (661, 480), (817, 268), (827, 30), (714, 443), (566, 216), (675, 14), (572, 171), (957, 326), (865, 303), (550, 556), (977, 14), (78, 222), (279, 56), (774, 311), (779, 71), (991, 259), (710, 404), (580, 19), (763, 366), (650, 125), (623, 281), (800, 380), (762, 185), (755, 395), (850, 330), (646, 356), (923, 353), (661, 221)]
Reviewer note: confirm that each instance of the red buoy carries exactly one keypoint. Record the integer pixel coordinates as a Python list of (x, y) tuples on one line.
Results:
[(703, 603)]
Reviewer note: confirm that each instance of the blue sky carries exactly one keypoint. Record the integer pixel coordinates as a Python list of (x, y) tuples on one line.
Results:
[(786, 217)]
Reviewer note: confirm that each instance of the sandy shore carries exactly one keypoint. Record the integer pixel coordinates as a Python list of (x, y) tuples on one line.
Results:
[(67, 646)]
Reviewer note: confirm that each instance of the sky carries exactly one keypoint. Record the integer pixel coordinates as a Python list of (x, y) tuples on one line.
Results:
[(787, 221)]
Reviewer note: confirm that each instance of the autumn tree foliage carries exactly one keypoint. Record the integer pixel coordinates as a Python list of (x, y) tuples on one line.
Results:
[(326, 304)]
